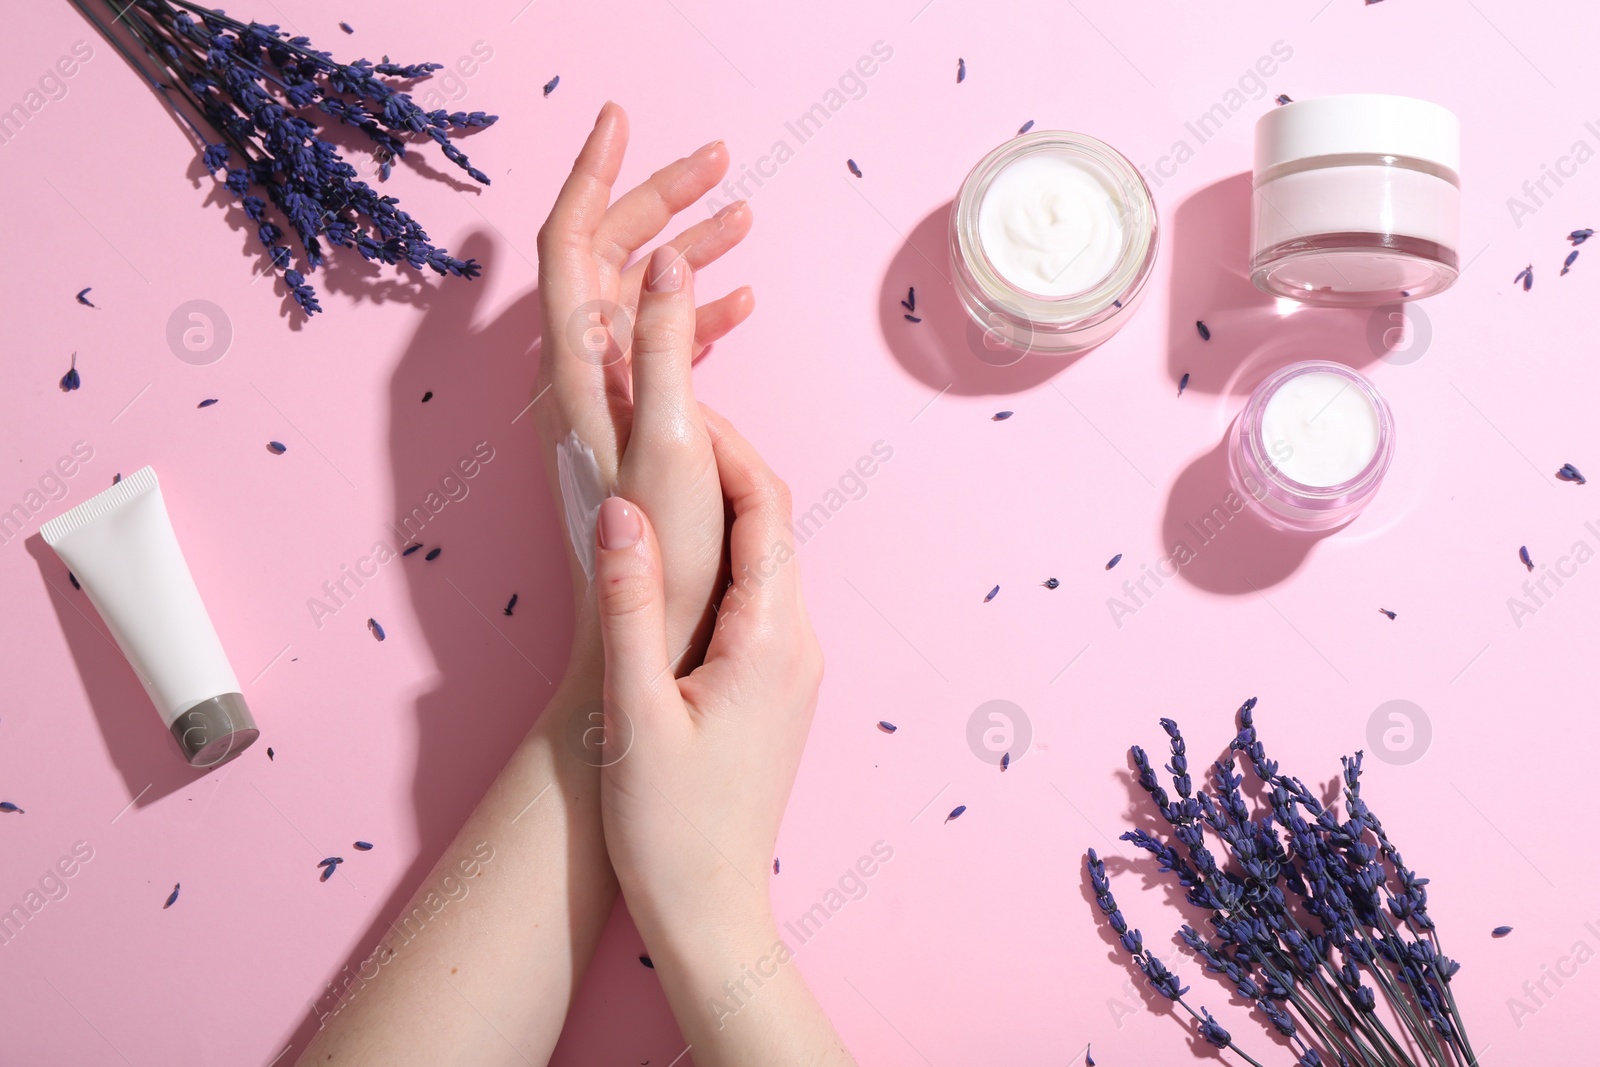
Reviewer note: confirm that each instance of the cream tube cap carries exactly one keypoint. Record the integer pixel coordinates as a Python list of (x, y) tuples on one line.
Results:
[(1358, 124), (214, 731)]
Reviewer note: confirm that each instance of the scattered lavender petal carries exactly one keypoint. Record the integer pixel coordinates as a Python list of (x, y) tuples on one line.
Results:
[(1088, 1057), (327, 872), (1572, 257), (277, 448), (511, 603), (83, 298), (364, 846), (1001, 416), (376, 628), (1284, 98), (1500, 931), (1183, 383), (646, 961), (433, 554), (1114, 561), (427, 396), (1577, 237), (206, 403), (10, 808), (71, 380), (73, 578), (331, 861), (345, 26), (116, 478), (1569, 473), (1387, 612), (887, 726), (1116, 303), (1052, 583), (269, 752), (992, 594), (1025, 127), (1525, 276), (410, 549), (910, 302), (955, 812), (1527, 560), (961, 71), (853, 168), (550, 86), (775, 867), (172, 897), (1205, 331), (1005, 761), (912, 318)]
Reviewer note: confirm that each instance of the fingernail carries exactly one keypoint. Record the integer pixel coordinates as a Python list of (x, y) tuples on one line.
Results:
[(619, 524), (733, 208), (664, 273), (708, 146)]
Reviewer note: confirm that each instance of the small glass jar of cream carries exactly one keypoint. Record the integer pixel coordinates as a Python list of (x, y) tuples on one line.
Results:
[(1357, 200), (1311, 446), (1052, 240)]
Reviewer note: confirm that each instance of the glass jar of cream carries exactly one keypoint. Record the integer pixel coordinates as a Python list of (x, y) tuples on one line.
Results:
[(1311, 446), (1052, 240), (1357, 200)]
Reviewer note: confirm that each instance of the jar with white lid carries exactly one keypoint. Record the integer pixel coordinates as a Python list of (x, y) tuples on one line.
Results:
[(1357, 200)]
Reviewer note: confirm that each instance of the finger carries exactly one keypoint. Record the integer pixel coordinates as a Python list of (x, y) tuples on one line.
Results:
[(663, 349), (717, 318), (704, 242), (644, 211), (632, 602), (588, 341), (581, 205), (765, 580)]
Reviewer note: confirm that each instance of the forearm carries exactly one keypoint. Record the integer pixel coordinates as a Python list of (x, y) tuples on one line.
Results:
[(481, 966), (738, 996)]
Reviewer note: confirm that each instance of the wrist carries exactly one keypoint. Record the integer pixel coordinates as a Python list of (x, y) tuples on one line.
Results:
[(586, 662), (714, 945)]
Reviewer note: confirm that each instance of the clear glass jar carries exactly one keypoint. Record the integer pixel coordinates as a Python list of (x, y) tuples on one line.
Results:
[(1270, 473), (1106, 202), (1357, 200)]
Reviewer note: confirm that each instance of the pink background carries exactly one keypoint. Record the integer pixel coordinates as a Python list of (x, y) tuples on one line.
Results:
[(977, 943)]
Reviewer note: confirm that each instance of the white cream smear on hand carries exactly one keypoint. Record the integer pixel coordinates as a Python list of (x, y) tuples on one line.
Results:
[(582, 493), (1051, 225), (1320, 429)]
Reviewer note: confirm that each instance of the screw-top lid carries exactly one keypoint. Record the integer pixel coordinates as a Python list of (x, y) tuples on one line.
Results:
[(1360, 123), (213, 731)]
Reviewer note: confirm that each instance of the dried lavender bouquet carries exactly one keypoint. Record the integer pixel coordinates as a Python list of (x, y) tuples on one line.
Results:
[(1313, 918), (252, 86)]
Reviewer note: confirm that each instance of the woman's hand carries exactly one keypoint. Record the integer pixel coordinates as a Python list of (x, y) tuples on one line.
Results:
[(622, 383), (691, 810)]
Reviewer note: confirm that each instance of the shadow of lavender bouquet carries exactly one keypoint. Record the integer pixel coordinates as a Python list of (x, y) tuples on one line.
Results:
[(1312, 917), (249, 84)]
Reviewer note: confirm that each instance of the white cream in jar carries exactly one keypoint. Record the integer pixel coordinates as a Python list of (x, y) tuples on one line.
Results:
[(1051, 225), (1311, 447), (1052, 240), (1319, 430)]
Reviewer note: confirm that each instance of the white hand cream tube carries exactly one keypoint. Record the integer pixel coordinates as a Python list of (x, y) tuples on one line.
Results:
[(121, 547)]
